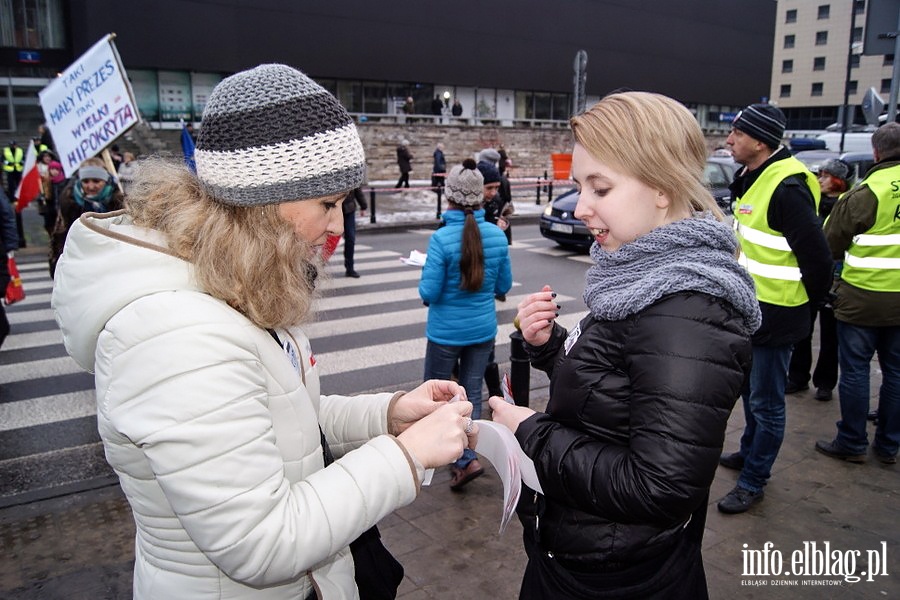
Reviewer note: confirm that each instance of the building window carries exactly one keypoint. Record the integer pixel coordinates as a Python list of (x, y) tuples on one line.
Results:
[(854, 61), (819, 63), (886, 86), (860, 6), (790, 16), (824, 11), (785, 91), (816, 89), (821, 38), (33, 24), (787, 66), (888, 60), (789, 41), (857, 34), (852, 87)]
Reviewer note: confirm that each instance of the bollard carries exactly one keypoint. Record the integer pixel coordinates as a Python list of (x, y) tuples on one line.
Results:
[(550, 193), (520, 369), (538, 187), (438, 190), (372, 205)]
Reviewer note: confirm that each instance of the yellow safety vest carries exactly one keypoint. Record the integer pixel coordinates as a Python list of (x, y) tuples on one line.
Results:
[(13, 162), (764, 252), (872, 262)]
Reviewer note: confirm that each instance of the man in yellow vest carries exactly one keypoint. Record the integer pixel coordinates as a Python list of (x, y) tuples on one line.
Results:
[(784, 249), (863, 230), (13, 164)]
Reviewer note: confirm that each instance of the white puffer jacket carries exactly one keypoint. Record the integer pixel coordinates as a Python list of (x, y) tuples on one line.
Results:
[(213, 432)]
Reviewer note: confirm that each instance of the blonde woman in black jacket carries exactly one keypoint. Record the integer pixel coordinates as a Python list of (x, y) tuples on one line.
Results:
[(641, 389)]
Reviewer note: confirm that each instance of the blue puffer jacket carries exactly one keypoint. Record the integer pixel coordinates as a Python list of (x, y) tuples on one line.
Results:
[(457, 317)]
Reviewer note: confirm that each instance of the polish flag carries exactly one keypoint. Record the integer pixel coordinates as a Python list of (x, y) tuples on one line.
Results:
[(30, 185)]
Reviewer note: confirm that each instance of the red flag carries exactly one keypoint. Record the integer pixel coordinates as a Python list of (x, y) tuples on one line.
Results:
[(30, 186), (14, 290)]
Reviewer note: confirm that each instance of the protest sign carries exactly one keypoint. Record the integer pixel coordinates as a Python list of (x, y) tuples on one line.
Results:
[(89, 105)]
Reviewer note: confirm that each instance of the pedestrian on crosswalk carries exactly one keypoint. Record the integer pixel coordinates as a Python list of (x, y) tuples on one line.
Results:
[(9, 241), (244, 481), (468, 264)]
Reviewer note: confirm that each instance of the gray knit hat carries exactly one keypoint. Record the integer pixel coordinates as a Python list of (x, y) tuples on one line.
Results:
[(465, 184), (271, 134)]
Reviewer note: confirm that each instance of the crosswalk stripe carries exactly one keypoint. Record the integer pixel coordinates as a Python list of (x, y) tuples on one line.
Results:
[(387, 320), (48, 367), (33, 340), (18, 317), (331, 363), (48, 409)]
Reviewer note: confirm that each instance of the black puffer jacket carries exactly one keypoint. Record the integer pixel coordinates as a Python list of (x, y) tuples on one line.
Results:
[(630, 440)]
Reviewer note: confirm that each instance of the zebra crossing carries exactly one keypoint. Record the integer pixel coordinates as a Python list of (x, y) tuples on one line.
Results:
[(367, 335)]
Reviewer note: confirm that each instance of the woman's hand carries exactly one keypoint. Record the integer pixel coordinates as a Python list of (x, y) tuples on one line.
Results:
[(421, 402), (536, 315), (441, 437), (508, 414)]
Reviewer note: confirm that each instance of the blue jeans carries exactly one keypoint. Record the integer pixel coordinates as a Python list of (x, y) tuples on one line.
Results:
[(856, 347), (763, 398), (439, 361)]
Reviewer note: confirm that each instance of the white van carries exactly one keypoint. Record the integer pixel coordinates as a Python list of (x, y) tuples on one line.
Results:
[(853, 142)]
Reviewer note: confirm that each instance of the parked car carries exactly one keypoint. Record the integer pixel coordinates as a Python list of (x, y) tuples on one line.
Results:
[(558, 222), (719, 174), (860, 162)]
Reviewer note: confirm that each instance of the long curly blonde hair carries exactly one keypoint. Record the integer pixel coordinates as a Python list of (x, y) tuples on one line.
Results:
[(246, 256)]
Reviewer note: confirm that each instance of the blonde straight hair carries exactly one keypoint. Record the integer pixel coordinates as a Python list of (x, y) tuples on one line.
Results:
[(246, 256), (654, 139)]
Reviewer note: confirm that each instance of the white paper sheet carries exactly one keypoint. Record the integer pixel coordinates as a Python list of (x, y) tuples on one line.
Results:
[(499, 446), (415, 259)]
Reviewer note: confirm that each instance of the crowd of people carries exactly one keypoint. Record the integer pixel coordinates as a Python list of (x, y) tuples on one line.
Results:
[(265, 485)]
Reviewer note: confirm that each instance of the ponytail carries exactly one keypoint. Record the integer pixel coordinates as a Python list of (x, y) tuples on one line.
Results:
[(471, 262)]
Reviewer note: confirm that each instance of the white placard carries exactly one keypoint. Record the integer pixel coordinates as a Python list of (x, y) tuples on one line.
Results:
[(89, 105)]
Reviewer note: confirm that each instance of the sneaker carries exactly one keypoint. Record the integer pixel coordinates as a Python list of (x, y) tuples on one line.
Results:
[(353, 274), (823, 394), (834, 451), (732, 461), (463, 476), (739, 500), (793, 388)]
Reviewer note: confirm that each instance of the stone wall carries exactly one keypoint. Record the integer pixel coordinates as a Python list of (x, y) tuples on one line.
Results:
[(529, 148)]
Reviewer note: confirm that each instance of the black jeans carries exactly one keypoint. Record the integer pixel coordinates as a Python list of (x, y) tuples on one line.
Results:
[(349, 239)]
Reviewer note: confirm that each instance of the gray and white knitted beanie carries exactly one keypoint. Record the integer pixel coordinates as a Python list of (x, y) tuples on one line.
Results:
[(271, 134), (465, 184)]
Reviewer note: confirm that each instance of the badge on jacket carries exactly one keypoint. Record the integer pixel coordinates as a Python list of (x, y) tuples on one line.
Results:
[(573, 337)]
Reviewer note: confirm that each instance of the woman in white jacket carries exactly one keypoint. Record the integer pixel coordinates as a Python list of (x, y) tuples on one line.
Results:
[(186, 306)]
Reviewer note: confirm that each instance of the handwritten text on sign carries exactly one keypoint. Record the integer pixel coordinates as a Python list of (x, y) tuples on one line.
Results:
[(88, 106)]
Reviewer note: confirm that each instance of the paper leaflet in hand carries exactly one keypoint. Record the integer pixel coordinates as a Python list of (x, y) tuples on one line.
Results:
[(499, 446), (506, 389), (416, 259)]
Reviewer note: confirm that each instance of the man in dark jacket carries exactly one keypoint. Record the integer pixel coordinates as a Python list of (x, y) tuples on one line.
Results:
[(9, 239), (353, 198), (863, 230), (784, 249)]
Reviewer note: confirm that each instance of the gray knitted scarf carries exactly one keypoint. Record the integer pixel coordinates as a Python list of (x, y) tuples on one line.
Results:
[(696, 254)]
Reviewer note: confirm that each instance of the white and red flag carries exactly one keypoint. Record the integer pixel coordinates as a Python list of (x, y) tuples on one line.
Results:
[(30, 185)]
